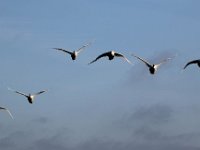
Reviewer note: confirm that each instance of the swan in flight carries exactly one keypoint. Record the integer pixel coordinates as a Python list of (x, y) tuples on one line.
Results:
[(30, 97), (152, 67), (111, 55), (74, 54), (193, 62), (5, 109)]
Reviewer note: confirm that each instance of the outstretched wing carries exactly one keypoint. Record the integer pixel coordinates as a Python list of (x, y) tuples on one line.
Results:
[(38, 93), (83, 47), (144, 61), (21, 93), (2, 108), (102, 55), (165, 60), (120, 55), (191, 62), (60, 49), (18, 92)]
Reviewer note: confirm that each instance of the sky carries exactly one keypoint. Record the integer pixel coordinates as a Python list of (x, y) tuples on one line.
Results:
[(109, 105)]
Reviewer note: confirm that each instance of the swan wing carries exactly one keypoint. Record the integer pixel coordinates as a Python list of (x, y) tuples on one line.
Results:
[(38, 93), (3, 108), (83, 47), (63, 50), (121, 55), (144, 61), (165, 60), (18, 92), (21, 93), (102, 55), (191, 62)]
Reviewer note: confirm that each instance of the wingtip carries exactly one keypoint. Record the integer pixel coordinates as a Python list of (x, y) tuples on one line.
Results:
[(8, 111), (128, 61), (10, 89), (11, 116), (134, 55), (89, 63), (132, 64)]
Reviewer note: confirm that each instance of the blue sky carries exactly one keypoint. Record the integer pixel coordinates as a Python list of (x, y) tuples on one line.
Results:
[(109, 104)]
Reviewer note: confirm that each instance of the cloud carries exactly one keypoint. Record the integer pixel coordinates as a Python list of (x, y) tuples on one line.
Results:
[(143, 139), (109, 144), (6, 143), (150, 128), (50, 143), (155, 114), (22, 140), (13, 140), (41, 120)]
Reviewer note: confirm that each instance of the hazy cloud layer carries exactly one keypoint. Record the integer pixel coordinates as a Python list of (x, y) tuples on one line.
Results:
[(149, 127)]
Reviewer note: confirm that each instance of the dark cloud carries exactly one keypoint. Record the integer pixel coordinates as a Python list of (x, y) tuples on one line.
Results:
[(155, 114), (151, 135), (57, 139), (49, 143), (50, 139), (6, 143), (145, 139), (152, 127), (108, 144), (41, 120), (100, 144), (13, 140)]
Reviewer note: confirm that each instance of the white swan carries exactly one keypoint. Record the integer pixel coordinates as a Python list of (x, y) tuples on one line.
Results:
[(152, 67), (111, 55), (75, 53), (5, 109), (192, 62), (30, 97)]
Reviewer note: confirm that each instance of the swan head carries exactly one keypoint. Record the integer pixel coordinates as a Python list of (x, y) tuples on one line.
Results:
[(75, 53), (31, 96), (113, 53)]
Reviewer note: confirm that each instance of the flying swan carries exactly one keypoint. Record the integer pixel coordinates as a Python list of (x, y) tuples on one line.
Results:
[(30, 97), (111, 55), (74, 54), (152, 67)]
